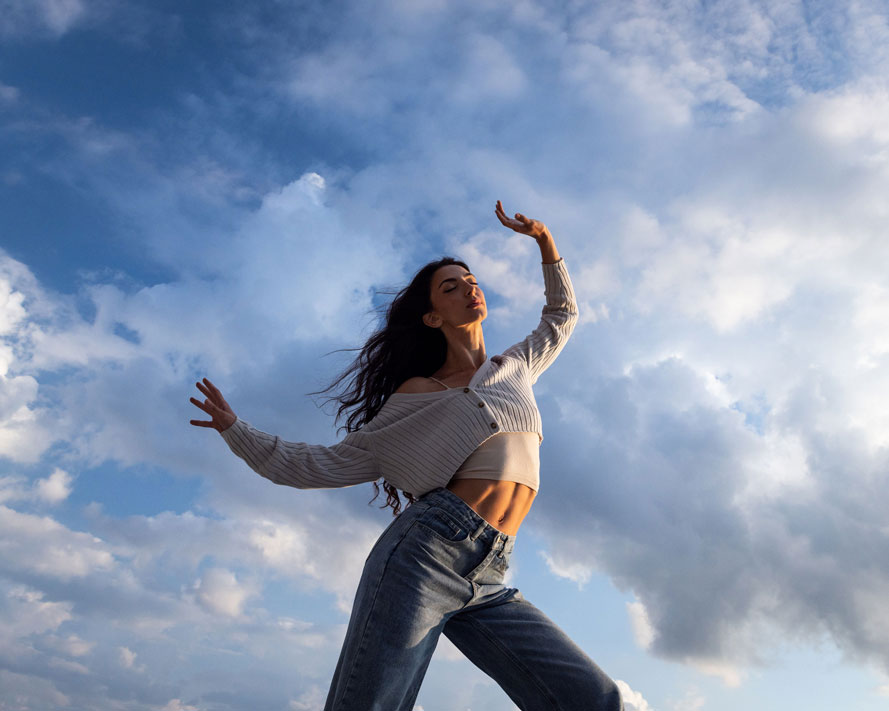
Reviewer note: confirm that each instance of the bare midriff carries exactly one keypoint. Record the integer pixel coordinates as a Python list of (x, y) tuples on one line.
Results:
[(503, 504)]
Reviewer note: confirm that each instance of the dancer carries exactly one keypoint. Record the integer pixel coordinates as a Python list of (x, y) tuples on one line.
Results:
[(459, 433)]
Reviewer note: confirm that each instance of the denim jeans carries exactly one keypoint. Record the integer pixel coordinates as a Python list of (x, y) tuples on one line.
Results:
[(439, 568)]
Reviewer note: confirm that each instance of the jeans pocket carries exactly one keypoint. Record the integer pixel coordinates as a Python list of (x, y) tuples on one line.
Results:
[(443, 526)]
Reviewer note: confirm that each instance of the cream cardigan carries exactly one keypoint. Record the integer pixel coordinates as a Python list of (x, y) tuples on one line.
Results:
[(417, 441)]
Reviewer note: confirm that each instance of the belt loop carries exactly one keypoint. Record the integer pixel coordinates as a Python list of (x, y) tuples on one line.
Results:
[(478, 531)]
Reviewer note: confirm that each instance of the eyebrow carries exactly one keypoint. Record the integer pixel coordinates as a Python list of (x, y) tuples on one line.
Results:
[(469, 274)]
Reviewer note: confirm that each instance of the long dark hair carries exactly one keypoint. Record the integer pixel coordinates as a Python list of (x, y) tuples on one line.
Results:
[(403, 348)]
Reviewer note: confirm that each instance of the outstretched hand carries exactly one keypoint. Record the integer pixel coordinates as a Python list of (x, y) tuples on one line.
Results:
[(215, 406), (534, 228)]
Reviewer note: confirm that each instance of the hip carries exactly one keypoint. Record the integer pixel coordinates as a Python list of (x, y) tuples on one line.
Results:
[(440, 537)]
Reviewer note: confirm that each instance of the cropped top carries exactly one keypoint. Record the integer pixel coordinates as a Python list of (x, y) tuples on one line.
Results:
[(508, 456), (417, 441)]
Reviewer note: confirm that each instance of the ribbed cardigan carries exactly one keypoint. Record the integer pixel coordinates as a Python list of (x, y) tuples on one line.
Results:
[(417, 441)]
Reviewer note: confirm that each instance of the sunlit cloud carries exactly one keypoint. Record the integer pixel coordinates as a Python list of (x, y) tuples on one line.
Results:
[(715, 432)]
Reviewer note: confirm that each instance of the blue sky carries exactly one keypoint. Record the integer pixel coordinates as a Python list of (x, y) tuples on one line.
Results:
[(226, 189)]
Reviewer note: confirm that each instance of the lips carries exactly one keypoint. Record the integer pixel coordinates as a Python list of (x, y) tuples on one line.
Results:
[(474, 303)]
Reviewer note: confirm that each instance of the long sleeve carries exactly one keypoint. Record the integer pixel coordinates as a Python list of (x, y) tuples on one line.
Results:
[(301, 465), (559, 318)]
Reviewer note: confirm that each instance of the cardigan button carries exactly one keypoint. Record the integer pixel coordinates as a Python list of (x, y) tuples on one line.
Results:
[(465, 390), (494, 425), (481, 404)]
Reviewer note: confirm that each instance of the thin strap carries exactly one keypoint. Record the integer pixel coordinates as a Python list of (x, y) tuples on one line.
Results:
[(438, 381)]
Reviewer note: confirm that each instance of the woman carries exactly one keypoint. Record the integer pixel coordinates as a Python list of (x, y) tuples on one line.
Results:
[(459, 434)]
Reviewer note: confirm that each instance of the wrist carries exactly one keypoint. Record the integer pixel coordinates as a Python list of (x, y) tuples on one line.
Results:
[(548, 251)]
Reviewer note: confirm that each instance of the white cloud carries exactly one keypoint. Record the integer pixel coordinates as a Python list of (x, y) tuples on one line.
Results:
[(8, 94), (127, 657), (22, 436), (55, 488), (71, 645), (67, 665), (311, 699), (854, 117), (220, 591), (643, 632), (39, 544), (564, 567), (27, 613), (446, 650), (53, 17), (177, 705), (692, 701), (632, 700), (730, 674)]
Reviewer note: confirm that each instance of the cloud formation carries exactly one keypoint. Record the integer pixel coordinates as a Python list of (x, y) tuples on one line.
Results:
[(715, 431)]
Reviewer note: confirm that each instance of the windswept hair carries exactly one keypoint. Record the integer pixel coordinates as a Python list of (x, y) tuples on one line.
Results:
[(403, 348)]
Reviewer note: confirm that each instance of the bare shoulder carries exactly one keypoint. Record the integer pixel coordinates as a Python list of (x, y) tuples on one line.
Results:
[(418, 385)]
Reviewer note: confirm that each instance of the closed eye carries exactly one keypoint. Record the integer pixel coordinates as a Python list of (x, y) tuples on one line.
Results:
[(455, 288)]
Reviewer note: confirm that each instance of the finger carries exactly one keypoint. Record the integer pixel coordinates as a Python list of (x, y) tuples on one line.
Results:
[(207, 407), (213, 388), (199, 404), (202, 423), (203, 388), (505, 220), (218, 399)]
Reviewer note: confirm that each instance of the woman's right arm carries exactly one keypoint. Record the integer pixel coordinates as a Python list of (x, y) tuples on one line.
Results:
[(297, 464)]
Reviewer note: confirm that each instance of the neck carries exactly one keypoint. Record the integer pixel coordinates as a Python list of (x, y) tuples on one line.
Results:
[(462, 362)]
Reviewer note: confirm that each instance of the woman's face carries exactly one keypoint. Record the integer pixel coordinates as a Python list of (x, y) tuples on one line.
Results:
[(452, 290)]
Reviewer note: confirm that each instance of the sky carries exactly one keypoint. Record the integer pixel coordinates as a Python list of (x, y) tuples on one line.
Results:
[(234, 190)]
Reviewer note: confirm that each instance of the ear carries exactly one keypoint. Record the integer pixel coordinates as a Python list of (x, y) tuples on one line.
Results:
[(432, 320)]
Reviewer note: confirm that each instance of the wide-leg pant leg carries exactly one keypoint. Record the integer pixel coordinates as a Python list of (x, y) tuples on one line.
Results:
[(407, 590), (530, 657)]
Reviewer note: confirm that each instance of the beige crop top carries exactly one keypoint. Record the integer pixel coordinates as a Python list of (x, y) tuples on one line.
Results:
[(505, 456)]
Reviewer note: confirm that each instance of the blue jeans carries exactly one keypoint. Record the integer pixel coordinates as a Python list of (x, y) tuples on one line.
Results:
[(438, 568)]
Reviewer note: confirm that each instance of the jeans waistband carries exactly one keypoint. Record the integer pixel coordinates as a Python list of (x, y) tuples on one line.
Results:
[(447, 499)]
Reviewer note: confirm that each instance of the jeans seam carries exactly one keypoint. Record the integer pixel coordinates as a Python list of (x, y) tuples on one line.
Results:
[(515, 660)]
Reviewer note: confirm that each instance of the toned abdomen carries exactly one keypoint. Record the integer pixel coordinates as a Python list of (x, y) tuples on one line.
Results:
[(503, 504)]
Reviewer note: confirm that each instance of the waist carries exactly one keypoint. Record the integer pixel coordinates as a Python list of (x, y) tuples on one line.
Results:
[(445, 498), (503, 504)]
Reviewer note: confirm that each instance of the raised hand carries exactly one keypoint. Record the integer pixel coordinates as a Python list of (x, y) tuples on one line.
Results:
[(215, 406), (534, 228)]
